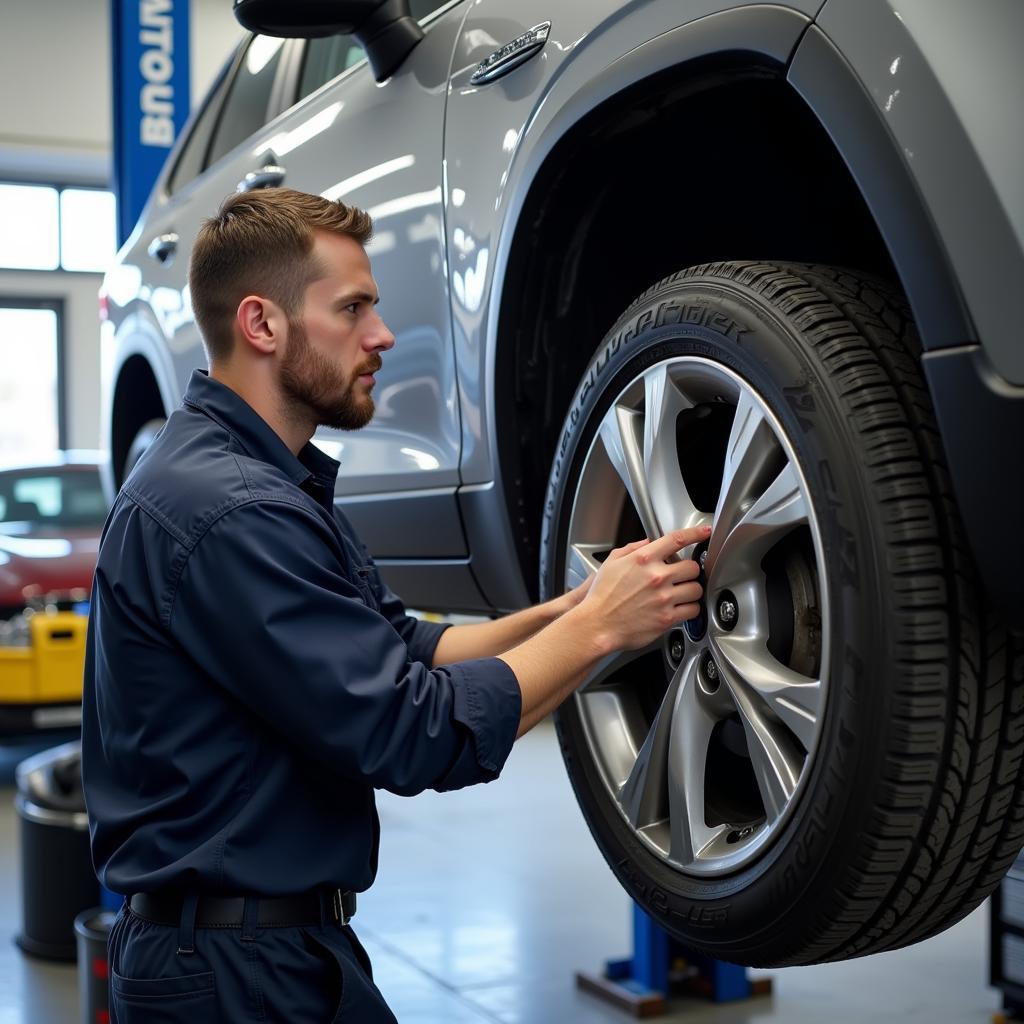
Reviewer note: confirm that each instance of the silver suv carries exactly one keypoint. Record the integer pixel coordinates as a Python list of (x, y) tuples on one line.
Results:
[(812, 214)]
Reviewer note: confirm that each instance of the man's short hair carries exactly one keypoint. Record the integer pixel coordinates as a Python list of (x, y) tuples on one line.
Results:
[(261, 243)]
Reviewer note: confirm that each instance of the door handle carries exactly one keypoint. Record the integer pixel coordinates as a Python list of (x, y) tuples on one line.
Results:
[(269, 176), (163, 247)]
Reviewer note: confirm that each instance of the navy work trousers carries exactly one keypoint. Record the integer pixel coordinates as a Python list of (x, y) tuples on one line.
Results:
[(311, 975)]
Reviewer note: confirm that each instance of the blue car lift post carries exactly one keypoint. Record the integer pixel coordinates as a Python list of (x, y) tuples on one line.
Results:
[(660, 966)]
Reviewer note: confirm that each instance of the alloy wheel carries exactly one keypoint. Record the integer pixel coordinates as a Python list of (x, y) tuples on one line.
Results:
[(705, 739)]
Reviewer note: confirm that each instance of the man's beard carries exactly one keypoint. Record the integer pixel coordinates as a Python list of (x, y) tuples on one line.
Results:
[(314, 384)]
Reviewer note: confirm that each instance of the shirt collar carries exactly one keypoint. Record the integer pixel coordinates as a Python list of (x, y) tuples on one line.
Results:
[(257, 437)]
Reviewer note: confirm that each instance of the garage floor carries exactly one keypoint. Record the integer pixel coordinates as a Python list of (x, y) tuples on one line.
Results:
[(489, 900)]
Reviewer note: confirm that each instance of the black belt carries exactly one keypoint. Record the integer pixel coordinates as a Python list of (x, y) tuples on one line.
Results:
[(308, 910)]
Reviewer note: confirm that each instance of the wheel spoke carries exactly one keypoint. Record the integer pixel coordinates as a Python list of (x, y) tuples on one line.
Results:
[(670, 767), (622, 434), (671, 502), (690, 736), (606, 675), (581, 562), (774, 754), (749, 452), (738, 552), (794, 698), (643, 795)]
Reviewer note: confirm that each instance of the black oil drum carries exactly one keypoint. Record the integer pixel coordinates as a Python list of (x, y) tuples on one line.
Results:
[(57, 878)]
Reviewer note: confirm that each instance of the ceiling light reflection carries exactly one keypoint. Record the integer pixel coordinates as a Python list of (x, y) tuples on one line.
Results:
[(423, 460), (285, 142), (380, 243), (400, 163), (405, 203), (463, 242), (260, 53), (469, 287), (122, 283)]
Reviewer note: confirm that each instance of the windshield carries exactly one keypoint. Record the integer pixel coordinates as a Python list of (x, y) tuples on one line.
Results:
[(66, 496)]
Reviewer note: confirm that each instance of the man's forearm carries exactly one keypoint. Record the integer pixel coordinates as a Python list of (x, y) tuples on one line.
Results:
[(487, 639), (550, 664)]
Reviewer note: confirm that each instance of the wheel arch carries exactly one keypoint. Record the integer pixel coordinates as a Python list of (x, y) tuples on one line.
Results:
[(568, 271), (136, 400)]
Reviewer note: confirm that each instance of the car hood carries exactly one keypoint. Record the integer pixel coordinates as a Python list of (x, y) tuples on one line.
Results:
[(52, 559)]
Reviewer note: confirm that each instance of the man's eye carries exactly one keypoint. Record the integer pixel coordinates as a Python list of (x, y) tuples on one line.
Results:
[(353, 308)]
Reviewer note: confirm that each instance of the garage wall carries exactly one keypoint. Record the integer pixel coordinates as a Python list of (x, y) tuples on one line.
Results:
[(55, 121), (55, 128)]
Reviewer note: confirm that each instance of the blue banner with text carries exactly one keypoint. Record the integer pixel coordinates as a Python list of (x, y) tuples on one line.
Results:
[(150, 50)]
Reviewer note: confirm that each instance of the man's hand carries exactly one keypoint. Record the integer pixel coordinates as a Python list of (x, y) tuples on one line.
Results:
[(639, 593), (571, 598)]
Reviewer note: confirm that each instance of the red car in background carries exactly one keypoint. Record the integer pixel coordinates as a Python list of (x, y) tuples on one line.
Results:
[(51, 516)]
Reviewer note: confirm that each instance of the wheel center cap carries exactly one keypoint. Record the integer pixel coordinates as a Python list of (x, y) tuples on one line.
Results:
[(697, 627)]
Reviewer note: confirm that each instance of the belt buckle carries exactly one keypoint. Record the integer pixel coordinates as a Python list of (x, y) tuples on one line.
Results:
[(338, 908)]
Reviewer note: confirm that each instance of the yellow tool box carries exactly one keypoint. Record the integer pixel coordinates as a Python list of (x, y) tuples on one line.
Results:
[(35, 679)]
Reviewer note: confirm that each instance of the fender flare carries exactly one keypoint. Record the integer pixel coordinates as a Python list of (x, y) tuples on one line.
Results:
[(834, 93)]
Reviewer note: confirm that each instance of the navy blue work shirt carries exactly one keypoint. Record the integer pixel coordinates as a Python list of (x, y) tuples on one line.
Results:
[(250, 680)]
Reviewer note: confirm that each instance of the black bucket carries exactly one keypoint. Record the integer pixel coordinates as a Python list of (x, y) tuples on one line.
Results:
[(57, 880), (91, 930)]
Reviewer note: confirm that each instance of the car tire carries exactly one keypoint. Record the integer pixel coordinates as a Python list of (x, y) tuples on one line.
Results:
[(759, 819), (143, 438)]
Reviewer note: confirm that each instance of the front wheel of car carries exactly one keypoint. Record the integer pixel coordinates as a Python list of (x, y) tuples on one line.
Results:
[(827, 762)]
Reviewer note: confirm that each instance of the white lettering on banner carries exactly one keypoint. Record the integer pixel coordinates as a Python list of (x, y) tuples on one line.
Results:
[(156, 127)]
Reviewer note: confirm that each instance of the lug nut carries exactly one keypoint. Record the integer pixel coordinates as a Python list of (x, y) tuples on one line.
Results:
[(709, 670), (676, 646), (703, 557), (727, 612)]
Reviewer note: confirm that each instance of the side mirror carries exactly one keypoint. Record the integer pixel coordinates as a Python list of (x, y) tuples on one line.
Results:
[(384, 28)]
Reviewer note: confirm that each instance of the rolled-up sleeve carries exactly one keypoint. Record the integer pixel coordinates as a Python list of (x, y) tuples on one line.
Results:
[(263, 605), (488, 703)]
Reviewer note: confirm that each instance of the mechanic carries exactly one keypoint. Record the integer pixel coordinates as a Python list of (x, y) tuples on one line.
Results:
[(250, 679)]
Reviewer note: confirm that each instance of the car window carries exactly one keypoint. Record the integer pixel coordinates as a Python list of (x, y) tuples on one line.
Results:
[(245, 110), (71, 498), (190, 162), (328, 56), (421, 9)]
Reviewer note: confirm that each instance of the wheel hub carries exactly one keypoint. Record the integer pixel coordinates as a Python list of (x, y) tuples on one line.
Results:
[(696, 628)]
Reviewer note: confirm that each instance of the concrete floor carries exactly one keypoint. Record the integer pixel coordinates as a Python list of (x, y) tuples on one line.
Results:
[(490, 899)]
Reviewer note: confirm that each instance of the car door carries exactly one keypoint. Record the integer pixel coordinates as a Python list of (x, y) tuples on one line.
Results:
[(378, 145)]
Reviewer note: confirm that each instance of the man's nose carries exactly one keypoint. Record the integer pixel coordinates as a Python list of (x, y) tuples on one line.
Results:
[(380, 337)]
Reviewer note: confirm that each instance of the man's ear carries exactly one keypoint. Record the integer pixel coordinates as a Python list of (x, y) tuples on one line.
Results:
[(261, 323)]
